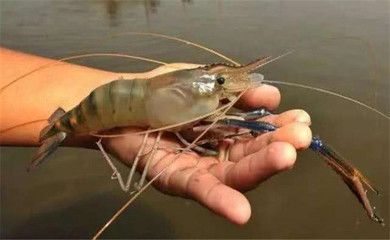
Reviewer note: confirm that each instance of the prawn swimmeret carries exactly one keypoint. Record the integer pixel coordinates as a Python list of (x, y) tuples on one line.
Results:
[(195, 98)]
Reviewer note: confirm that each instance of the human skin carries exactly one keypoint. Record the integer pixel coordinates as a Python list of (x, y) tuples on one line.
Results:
[(217, 185)]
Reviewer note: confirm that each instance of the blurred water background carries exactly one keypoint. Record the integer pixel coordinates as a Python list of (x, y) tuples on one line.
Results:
[(341, 46)]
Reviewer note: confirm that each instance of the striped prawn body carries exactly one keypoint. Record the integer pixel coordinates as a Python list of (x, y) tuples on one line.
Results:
[(165, 100), (114, 104), (157, 102)]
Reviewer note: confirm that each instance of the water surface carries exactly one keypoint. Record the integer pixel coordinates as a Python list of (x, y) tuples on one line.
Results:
[(342, 46)]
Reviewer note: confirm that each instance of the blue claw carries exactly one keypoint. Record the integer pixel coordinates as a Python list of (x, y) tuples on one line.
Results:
[(316, 144), (351, 176), (255, 114), (251, 125)]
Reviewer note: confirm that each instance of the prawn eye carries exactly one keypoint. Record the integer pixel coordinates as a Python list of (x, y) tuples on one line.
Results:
[(221, 80)]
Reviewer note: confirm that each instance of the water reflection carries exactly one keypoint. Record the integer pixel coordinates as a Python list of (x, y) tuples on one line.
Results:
[(112, 11), (151, 7), (187, 2)]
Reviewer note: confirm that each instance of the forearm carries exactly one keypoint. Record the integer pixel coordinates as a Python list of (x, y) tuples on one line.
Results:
[(39, 94), (27, 103)]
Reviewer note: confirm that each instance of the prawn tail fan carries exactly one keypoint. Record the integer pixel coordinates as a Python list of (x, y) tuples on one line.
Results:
[(50, 138)]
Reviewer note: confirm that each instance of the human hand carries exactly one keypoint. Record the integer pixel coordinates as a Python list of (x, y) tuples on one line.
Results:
[(215, 184)]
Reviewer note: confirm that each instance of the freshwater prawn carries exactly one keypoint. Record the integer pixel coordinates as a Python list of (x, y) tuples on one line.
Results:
[(205, 86)]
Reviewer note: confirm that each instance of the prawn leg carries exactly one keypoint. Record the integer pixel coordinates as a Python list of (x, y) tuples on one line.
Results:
[(149, 160), (200, 149), (116, 174), (350, 175)]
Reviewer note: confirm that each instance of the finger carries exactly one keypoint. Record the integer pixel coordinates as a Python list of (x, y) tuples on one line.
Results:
[(297, 134), (221, 199), (190, 177), (259, 166), (295, 115), (242, 149), (264, 96)]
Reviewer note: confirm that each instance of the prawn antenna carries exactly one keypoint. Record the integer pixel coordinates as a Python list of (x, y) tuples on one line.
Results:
[(330, 93), (22, 124), (262, 64), (159, 35), (63, 60)]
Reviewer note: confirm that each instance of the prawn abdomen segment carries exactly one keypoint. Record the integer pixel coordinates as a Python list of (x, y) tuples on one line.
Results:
[(115, 104)]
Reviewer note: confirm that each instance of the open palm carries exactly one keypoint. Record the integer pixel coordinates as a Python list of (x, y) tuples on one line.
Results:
[(218, 184)]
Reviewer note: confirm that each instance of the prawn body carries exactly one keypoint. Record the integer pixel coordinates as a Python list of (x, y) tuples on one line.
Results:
[(157, 102)]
